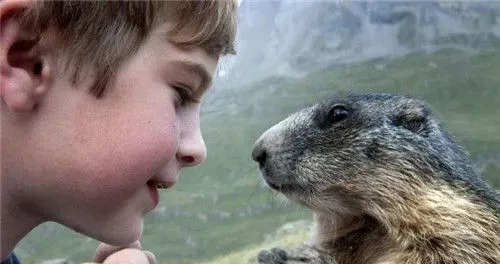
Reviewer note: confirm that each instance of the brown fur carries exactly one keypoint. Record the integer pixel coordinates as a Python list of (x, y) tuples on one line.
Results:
[(434, 226), (387, 184)]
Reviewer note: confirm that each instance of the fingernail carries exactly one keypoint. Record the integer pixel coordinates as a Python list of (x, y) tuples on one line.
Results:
[(151, 257)]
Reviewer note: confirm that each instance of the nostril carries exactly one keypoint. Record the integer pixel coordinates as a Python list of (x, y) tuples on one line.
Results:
[(262, 157), (259, 155), (187, 159)]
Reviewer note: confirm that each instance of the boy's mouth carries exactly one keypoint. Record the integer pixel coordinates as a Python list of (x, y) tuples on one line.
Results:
[(160, 185), (153, 192), (153, 187)]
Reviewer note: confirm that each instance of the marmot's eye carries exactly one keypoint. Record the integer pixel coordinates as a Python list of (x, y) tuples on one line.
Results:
[(338, 113)]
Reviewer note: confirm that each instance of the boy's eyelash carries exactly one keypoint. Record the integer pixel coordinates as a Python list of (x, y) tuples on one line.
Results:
[(185, 94)]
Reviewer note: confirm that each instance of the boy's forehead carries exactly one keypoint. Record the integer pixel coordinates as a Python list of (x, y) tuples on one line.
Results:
[(182, 38), (194, 60)]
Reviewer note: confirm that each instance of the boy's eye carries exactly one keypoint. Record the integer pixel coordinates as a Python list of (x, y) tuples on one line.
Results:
[(184, 93)]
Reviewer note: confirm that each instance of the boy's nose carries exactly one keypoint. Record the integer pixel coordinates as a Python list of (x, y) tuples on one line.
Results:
[(192, 150)]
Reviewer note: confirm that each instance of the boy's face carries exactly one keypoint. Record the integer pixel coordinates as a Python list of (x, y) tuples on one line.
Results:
[(88, 163)]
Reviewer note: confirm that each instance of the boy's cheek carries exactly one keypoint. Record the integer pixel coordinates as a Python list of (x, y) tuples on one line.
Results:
[(110, 172), (141, 152), (121, 171)]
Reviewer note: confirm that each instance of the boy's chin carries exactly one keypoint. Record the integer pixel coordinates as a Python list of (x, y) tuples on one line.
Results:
[(120, 235)]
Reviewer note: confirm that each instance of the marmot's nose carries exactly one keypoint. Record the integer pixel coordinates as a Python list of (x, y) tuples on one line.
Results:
[(259, 153)]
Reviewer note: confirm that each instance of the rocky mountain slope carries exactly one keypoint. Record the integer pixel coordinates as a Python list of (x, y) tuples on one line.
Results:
[(291, 38)]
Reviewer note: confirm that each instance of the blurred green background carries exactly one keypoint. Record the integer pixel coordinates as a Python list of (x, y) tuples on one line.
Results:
[(222, 207), (291, 54)]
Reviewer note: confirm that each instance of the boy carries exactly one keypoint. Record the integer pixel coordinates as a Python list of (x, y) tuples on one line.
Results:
[(100, 108)]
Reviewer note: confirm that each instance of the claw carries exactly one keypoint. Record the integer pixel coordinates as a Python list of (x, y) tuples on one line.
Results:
[(280, 252), (275, 256)]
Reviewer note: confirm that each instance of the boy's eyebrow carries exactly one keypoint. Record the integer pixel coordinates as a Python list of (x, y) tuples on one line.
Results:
[(198, 69)]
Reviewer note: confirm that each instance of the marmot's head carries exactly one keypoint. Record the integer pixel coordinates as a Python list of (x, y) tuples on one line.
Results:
[(343, 155)]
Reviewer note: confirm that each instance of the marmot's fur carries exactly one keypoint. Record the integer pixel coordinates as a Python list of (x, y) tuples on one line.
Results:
[(386, 182)]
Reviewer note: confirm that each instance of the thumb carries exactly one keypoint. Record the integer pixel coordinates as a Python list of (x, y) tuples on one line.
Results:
[(105, 250), (130, 256)]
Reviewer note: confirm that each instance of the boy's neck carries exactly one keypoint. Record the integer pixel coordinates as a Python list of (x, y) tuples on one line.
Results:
[(15, 224)]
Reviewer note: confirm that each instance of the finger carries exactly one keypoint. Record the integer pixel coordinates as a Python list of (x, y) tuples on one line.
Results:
[(151, 257), (104, 250), (127, 256)]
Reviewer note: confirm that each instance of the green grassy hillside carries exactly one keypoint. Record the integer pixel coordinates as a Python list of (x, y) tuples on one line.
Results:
[(220, 207)]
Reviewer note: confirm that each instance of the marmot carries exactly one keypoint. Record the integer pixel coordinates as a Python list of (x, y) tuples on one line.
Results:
[(386, 182)]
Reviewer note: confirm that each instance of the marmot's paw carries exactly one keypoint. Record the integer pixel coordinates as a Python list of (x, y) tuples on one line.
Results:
[(310, 254), (300, 255), (273, 256)]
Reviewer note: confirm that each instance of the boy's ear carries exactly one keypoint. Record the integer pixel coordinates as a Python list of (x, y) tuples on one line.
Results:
[(23, 71)]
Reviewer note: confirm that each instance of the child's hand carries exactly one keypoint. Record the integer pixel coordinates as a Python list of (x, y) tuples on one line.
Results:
[(130, 254)]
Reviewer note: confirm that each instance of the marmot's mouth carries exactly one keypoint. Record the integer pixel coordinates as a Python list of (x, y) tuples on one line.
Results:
[(276, 184), (273, 186), (280, 187)]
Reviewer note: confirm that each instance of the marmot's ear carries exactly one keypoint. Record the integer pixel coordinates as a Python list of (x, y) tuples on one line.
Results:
[(413, 116)]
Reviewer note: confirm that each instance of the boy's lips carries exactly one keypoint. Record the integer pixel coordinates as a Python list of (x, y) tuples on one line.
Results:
[(155, 197), (154, 185)]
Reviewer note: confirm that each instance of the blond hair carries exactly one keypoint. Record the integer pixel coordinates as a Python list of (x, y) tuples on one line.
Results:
[(102, 34)]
